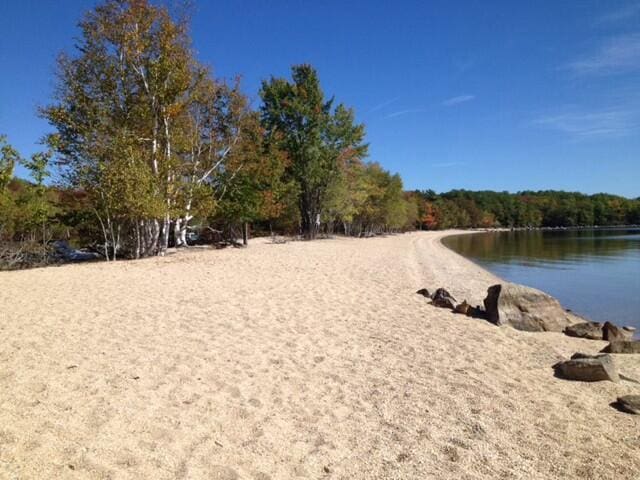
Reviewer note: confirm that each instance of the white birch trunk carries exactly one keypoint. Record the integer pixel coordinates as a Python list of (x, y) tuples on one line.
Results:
[(177, 226), (183, 235)]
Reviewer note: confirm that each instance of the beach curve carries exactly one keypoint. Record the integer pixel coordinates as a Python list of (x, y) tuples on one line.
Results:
[(302, 360)]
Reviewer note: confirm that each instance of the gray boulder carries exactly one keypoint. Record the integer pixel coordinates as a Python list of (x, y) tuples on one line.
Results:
[(613, 333), (623, 346), (590, 330), (630, 403), (588, 368), (525, 308)]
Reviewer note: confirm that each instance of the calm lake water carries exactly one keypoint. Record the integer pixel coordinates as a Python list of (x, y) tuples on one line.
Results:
[(595, 273)]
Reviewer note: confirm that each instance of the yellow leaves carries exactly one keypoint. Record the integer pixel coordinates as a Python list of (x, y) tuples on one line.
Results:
[(174, 110)]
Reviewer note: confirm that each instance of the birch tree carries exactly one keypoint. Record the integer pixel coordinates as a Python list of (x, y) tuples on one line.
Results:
[(142, 126), (220, 133)]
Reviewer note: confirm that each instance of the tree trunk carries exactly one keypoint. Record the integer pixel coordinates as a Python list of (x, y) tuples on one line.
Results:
[(164, 238), (308, 216), (138, 239), (152, 231), (245, 234), (104, 235), (177, 230), (182, 225)]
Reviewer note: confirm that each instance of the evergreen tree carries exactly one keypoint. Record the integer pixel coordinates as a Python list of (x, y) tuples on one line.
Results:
[(314, 134)]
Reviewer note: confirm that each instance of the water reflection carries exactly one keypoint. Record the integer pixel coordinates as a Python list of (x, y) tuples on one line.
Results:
[(594, 272), (547, 247)]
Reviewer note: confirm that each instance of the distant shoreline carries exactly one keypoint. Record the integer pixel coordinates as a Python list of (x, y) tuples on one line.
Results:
[(518, 229)]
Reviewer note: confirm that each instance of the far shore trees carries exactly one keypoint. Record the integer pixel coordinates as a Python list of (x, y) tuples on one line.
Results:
[(487, 209)]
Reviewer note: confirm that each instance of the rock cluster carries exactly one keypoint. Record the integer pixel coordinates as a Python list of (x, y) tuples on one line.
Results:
[(598, 331), (531, 310), (520, 307), (443, 299), (528, 309)]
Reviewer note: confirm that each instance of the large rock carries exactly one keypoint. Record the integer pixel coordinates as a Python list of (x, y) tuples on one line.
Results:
[(613, 333), (623, 346), (442, 298), (630, 403), (588, 368), (590, 330), (525, 308)]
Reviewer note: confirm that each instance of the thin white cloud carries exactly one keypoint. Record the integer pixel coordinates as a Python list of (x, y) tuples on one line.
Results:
[(380, 106), (405, 112), (616, 55), (593, 125), (457, 100), (622, 14)]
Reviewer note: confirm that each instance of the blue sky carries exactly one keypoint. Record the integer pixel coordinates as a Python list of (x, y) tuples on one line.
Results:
[(497, 95)]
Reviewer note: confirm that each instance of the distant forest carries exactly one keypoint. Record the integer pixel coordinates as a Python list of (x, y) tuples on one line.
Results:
[(549, 208), (148, 150)]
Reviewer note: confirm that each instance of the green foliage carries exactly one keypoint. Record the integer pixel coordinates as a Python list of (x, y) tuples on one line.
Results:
[(366, 199), (146, 140), (128, 190), (142, 127), (27, 212), (37, 206), (9, 157), (463, 208), (315, 136)]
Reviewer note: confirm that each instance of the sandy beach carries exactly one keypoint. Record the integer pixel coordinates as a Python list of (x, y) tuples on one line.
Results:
[(299, 360)]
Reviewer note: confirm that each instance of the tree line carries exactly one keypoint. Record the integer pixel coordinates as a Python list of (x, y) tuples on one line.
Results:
[(149, 147), (150, 150), (527, 209)]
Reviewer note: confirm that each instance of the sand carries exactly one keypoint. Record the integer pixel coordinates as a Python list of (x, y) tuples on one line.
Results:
[(301, 360)]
